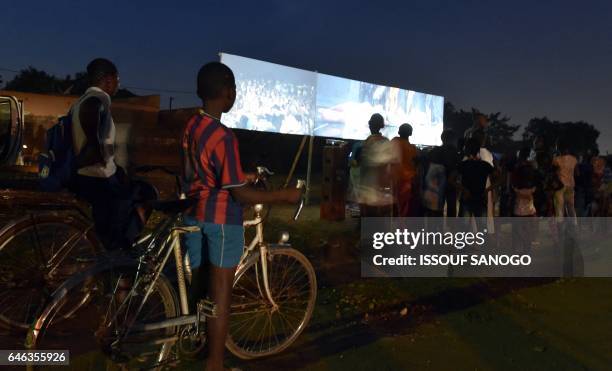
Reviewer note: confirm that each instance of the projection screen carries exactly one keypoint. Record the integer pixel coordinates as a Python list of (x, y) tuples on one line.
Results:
[(271, 97), (281, 99)]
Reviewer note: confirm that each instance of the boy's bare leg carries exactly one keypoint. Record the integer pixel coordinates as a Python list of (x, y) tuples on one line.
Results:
[(220, 291)]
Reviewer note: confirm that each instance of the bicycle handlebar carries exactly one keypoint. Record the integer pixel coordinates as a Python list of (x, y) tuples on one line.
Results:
[(263, 171), (301, 184)]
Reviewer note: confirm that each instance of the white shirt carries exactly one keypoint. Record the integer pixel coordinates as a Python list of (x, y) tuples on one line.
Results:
[(486, 156), (106, 137)]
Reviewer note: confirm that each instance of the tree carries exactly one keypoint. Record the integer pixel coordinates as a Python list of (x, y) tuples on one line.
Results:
[(32, 80), (457, 120), (580, 135), (500, 133)]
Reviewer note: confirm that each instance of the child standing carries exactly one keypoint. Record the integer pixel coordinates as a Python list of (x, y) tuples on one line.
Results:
[(474, 173), (524, 187), (564, 198)]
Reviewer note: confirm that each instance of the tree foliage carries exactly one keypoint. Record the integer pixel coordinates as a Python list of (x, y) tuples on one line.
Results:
[(580, 136), (32, 80), (501, 132)]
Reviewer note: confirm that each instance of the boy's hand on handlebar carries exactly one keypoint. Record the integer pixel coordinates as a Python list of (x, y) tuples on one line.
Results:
[(292, 195), (251, 177)]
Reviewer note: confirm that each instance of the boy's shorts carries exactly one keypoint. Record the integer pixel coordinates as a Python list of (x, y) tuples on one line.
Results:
[(220, 244)]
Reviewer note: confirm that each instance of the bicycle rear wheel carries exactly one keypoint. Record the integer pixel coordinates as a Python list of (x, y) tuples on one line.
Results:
[(256, 328), (98, 332), (37, 254)]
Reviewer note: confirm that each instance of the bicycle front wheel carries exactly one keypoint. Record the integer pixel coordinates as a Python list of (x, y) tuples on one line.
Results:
[(257, 328), (37, 254)]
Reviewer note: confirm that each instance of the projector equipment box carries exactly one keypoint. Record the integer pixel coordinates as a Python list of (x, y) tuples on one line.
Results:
[(335, 178)]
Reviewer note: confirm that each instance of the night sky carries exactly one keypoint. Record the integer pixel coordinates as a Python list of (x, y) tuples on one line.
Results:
[(525, 59)]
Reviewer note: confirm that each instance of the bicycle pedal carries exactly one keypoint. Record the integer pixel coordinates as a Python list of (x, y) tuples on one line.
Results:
[(207, 307)]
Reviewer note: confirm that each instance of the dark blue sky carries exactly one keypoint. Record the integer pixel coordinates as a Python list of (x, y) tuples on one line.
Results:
[(523, 58)]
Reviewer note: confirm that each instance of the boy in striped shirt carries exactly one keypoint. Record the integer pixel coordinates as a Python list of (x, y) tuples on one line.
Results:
[(214, 176)]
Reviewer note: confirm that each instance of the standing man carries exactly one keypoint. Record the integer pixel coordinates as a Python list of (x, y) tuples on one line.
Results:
[(214, 177), (99, 180)]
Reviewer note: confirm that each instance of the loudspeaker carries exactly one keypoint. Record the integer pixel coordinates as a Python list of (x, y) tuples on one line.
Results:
[(334, 182)]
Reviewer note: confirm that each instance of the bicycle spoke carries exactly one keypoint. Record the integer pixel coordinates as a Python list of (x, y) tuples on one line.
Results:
[(294, 278), (253, 325), (154, 310), (243, 305), (282, 323), (262, 332), (306, 284), (284, 279), (52, 247), (64, 251), (253, 322), (37, 243), (267, 325), (255, 284), (242, 324), (251, 294), (284, 318)]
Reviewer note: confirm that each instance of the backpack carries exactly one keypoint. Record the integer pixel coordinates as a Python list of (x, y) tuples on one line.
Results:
[(57, 164)]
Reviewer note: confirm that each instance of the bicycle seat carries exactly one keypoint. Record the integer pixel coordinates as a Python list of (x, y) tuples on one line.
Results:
[(173, 206)]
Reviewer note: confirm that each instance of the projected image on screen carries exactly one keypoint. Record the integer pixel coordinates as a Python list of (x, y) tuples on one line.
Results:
[(271, 97), (287, 100), (344, 106)]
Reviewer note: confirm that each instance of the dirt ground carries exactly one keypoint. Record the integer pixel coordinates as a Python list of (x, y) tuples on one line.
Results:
[(433, 324)]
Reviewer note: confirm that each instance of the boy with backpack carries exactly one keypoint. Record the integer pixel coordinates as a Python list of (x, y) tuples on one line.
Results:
[(80, 157)]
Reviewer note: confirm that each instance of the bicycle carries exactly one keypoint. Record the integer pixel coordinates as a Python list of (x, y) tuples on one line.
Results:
[(39, 251), (272, 301)]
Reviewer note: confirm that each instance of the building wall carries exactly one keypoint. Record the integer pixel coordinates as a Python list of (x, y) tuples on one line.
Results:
[(150, 136), (132, 116)]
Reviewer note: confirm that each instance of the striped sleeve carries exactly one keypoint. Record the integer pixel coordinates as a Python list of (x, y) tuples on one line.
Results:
[(228, 170)]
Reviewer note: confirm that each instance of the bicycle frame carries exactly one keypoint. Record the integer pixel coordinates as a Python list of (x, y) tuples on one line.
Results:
[(172, 246), (258, 241)]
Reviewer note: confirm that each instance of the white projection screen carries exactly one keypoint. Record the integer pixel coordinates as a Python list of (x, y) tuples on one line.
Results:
[(281, 99)]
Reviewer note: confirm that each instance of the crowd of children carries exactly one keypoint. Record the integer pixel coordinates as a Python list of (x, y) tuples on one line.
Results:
[(462, 177)]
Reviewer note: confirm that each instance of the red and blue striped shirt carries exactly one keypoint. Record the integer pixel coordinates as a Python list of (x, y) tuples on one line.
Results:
[(211, 166)]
